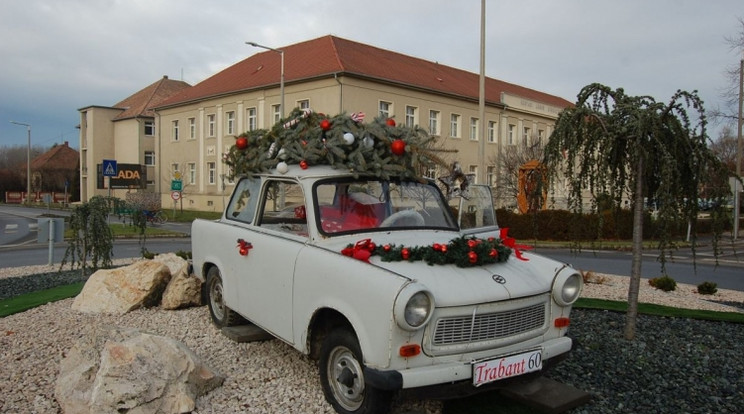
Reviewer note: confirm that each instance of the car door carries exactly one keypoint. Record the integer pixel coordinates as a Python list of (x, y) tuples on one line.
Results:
[(268, 267)]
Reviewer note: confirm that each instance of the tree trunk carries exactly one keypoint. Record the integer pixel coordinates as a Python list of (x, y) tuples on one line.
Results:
[(635, 272)]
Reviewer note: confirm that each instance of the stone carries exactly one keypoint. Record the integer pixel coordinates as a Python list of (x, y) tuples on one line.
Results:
[(123, 289), (125, 370), (183, 290)]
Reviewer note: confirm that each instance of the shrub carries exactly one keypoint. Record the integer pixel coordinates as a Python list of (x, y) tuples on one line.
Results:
[(665, 283), (707, 288), (184, 255)]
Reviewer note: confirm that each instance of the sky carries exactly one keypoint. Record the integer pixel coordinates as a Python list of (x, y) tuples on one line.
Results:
[(57, 56)]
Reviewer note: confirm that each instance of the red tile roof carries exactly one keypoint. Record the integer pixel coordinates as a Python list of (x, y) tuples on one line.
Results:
[(142, 102), (330, 55), (60, 157)]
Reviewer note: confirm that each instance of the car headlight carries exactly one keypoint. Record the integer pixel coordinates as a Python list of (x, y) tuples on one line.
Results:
[(567, 286), (413, 307)]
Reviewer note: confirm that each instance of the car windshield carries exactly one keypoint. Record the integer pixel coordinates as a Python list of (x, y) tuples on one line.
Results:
[(373, 205)]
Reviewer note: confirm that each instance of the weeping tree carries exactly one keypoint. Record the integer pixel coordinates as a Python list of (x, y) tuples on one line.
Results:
[(632, 146)]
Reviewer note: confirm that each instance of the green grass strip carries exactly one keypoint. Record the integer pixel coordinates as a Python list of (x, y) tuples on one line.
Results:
[(31, 300), (659, 310)]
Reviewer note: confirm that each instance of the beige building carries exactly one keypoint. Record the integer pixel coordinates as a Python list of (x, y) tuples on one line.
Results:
[(331, 75), (125, 133)]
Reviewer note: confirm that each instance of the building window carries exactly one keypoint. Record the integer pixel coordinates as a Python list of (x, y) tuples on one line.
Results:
[(540, 134), (149, 128), (230, 122), (385, 109), (474, 129), (434, 122), (174, 167), (303, 104), (473, 171), (455, 126), (212, 172), (192, 173), (491, 131), (490, 177), (431, 172), (192, 128), (149, 158), (411, 112), (526, 134), (277, 111), (252, 119), (510, 137), (210, 125), (174, 135)]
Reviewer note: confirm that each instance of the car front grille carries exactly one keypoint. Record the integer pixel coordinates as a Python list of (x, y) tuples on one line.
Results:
[(458, 330)]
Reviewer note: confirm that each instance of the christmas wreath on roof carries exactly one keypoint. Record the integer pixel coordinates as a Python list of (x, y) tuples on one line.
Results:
[(306, 138)]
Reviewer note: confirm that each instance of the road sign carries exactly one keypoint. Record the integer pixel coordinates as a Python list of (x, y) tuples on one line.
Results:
[(177, 175), (175, 195), (109, 168), (176, 185)]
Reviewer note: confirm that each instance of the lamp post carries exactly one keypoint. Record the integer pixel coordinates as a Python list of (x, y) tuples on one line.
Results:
[(28, 159), (281, 79)]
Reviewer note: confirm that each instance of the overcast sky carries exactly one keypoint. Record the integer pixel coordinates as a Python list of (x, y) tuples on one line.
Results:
[(57, 56)]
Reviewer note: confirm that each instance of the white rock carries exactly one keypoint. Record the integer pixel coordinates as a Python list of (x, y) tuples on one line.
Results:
[(125, 370), (123, 289)]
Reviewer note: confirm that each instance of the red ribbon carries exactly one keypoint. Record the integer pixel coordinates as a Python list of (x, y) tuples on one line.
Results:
[(511, 242), (362, 250)]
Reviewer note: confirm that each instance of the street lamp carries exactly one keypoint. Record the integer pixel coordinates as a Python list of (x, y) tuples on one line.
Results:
[(28, 159), (281, 79)]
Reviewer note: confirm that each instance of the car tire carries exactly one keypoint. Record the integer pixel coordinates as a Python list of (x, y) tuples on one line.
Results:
[(222, 315), (342, 377)]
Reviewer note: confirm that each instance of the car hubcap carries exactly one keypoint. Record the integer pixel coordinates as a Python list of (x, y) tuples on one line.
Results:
[(346, 379), (218, 306)]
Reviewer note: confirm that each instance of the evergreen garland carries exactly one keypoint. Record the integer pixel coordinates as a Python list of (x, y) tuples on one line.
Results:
[(308, 138), (461, 251)]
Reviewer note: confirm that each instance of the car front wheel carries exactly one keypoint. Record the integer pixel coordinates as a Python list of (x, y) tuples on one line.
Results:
[(342, 377), (221, 314)]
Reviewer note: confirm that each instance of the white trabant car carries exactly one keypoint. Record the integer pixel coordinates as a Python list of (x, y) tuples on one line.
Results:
[(384, 283)]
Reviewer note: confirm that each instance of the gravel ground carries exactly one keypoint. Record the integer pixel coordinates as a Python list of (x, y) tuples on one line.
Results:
[(673, 366)]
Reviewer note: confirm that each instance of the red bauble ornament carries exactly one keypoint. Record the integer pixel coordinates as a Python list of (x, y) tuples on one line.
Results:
[(444, 248), (241, 143), (493, 253), (390, 122), (303, 164), (371, 246), (437, 247), (325, 125), (398, 147), (472, 257), (386, 248), (405, 253), (472, 243)]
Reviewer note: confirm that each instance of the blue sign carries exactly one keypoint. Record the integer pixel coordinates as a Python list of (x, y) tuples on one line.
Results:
[(109, 168)]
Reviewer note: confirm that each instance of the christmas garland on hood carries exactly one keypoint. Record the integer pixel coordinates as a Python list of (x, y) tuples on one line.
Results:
[(306, 138)]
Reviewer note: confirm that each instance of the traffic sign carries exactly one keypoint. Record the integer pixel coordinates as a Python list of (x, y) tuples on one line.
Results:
[(109, 168), (175, 195), (176, 185)]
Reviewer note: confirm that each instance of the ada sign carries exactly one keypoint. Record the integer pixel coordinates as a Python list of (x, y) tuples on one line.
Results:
[(109, 168)]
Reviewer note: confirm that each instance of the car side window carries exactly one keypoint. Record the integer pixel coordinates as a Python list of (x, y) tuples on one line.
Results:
[(283, 208), (243, 203)]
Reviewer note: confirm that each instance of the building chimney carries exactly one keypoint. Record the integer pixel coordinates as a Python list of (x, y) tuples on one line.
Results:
[(67, 144)]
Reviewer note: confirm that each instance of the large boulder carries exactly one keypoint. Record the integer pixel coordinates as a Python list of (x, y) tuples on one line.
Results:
[(123, 289), (125, 370), (184, 289)]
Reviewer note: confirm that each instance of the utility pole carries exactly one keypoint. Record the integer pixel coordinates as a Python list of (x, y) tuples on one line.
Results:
[(737, 184)]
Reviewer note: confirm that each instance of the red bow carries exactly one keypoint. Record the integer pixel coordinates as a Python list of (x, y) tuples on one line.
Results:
[(362, 250), (511, 242)]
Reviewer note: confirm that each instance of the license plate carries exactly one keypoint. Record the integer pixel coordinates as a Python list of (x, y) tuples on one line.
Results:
[(506, 367)]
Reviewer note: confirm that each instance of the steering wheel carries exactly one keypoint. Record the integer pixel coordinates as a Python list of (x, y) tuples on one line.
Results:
[(404, 218)]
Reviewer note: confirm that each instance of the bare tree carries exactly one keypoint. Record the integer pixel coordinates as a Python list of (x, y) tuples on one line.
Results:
[(512, 159), (730, 113)]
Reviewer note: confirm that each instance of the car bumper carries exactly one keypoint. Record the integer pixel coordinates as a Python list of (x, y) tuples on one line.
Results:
[(445, 373)]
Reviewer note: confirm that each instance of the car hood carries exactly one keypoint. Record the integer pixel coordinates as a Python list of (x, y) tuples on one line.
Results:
[(514, 278)]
